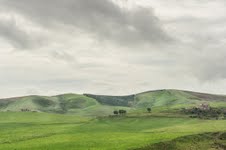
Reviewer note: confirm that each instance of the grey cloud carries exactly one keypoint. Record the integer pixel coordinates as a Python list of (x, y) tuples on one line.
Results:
[(73, 61), (202, 47), (82, 56), (102, 18), (12, 33), (210, 68), (62, 55)]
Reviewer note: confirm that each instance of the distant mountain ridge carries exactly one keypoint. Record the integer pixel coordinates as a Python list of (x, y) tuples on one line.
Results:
[(90, 104)]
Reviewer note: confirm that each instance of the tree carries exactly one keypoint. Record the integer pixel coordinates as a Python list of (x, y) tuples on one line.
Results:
[(122, 112), (115, 112), (224, 113), (149, 109)]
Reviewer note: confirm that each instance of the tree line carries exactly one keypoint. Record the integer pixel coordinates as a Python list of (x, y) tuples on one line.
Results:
[(119, 112), (123, 112), (211, 113)]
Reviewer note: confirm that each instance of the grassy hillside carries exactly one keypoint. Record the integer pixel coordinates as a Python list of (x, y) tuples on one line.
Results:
[(99, 105), (66, 103), (173, 99), (160, 98), (61, 103), (202, 141), (72, 121)]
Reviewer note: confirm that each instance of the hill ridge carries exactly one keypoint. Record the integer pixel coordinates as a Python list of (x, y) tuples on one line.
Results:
[(148, 91), (91, 104)]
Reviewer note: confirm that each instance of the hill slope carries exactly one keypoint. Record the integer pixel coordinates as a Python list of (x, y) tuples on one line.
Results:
[(176, 99), (60, 103), (89, 104), (65, 103), (160, 98), (113, 100), (211, 141)]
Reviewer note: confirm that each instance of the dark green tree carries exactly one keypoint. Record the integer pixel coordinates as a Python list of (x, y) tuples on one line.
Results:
[(149, 109), (122, 112), (115, 112)]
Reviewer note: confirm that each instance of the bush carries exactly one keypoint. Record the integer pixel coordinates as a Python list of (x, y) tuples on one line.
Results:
[(212, 113)]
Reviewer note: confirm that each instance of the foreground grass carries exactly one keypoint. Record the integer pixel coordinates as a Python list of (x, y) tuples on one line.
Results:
[(211, 141), (42, 131)]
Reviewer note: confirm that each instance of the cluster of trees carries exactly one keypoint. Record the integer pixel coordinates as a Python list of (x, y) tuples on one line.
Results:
[(119, 112), (123, 112), (211, 113), (25, 109), (113, 100)]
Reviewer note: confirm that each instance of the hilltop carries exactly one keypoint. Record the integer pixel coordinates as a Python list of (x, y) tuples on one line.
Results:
[(97, 105)]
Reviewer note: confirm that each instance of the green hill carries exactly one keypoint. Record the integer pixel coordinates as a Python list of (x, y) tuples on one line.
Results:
[(97, 105), (176, 99), (65, 103), (161, 98), (71, 120), (61, 103)]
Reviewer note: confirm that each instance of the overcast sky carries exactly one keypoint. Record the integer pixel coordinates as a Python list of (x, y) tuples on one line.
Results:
[(115, 47)]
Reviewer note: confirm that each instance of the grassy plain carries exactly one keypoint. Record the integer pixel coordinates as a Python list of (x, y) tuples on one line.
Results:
[(44, 131), (82, 122)]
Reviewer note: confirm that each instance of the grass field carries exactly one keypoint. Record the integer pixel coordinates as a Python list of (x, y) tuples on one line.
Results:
[(26, 130), (82, 122), (204, 141)]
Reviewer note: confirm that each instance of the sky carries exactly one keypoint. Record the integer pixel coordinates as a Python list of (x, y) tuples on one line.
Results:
[(114, 47)]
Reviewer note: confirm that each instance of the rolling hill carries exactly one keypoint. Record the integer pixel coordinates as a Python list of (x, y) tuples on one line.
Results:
[(72, 120), (89, 104)]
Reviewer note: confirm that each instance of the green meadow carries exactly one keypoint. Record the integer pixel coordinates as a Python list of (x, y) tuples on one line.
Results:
[(52, 131), (81, 122)]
